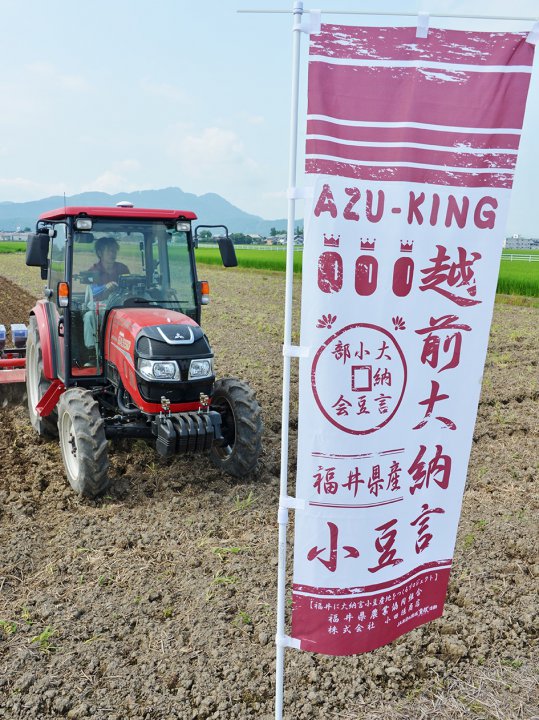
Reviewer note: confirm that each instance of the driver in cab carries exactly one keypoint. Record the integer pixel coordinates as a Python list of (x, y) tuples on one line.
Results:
[(105, 275), (106, 272)]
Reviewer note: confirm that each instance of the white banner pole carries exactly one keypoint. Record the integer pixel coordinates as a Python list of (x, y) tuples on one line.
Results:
[(281, 639)]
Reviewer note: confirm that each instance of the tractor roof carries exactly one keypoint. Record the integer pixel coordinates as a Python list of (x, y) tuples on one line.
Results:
[(118, 212)]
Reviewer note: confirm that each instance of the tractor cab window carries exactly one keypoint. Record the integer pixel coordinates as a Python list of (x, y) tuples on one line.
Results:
[(57, 256), (102, 261), (57, 268), (117, 264), (172, 271)]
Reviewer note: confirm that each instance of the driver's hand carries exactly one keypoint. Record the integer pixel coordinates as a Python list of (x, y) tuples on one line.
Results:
[(111, 285)]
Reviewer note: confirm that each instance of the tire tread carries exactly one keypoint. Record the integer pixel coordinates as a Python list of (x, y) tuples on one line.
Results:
[(92, 445), (248, 427)]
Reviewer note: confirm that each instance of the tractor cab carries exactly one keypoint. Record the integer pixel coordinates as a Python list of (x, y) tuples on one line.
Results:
[(117, 340), (139, 265), (98, 259)]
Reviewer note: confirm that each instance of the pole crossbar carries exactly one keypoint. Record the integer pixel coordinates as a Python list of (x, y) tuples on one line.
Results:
[(400, 14)]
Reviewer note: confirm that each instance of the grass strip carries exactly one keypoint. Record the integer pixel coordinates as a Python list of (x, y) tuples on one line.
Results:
[(256, 259), (12, 247)]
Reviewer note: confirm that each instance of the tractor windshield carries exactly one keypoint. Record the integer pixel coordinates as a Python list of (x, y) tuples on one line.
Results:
[(137, 264)]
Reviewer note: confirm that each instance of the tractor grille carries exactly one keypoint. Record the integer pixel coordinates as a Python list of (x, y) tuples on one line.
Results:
[(177, 392), (186, 343)]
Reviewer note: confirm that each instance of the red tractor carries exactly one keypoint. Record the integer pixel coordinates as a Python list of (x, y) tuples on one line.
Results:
[(115, 349)]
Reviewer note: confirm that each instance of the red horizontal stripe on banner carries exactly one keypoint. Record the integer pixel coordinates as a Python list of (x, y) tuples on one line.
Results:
[(406, 154), (377, 587), (415, 135), (408, 174), (401, 43), (337, 626), (475, 100)]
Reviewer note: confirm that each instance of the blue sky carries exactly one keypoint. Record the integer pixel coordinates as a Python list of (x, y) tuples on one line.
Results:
[(120, 95)]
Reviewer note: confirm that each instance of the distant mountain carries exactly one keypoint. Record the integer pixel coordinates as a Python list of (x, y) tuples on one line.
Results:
[(210, 208)]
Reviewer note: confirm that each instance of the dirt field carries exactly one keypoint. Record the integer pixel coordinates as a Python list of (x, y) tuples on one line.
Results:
[(158, 601)]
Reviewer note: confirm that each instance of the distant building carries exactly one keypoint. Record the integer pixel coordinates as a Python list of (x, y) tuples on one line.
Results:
[(13, 236), (517, 242)]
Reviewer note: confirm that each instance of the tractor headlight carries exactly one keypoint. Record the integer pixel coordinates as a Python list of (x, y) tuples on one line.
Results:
[(159, 369), (200, 369), (83, 223)]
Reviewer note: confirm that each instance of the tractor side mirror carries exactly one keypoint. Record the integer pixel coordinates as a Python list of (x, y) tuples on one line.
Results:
[(228, 253), (226, 246), (37, 251)]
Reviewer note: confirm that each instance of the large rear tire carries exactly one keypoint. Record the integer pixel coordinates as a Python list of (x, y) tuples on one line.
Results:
[(82, 442), (37, 384), (241, 426)]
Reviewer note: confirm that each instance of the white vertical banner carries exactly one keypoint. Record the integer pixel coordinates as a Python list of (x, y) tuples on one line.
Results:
[(411, 148)]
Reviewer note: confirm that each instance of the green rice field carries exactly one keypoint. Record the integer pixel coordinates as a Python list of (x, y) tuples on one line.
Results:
[(12, 247), (258, 258), (517, 277)]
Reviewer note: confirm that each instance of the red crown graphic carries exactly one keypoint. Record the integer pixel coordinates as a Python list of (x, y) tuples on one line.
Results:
[(331, 241), (366, 245), (407, 246)]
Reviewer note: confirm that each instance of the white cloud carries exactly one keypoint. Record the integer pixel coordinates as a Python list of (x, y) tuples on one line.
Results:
[(218, 160), (110, 182), (256, 119), (128, 165), (117, 178), (47, 72), (42, 68), (20, 189), (165, 90), (215, 154)]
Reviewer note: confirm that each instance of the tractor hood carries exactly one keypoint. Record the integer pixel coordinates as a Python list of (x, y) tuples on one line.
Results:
[(136, 335), (155, 333), (133, 320)]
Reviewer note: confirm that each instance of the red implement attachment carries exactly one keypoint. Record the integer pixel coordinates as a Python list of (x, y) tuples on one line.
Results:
[(12, 364)]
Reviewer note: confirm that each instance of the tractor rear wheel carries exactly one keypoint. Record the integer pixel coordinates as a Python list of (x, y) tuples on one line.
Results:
[(82, 442), (241, 426), (37, 384)]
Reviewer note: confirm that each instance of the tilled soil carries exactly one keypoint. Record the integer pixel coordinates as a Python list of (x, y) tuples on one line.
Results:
[(158, 600)]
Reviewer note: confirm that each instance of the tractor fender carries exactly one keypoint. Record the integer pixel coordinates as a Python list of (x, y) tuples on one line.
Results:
[(40, 312)]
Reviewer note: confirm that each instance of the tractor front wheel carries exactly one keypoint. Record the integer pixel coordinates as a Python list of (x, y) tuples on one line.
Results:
[(37, 384), (82, 442), (241, 427)]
